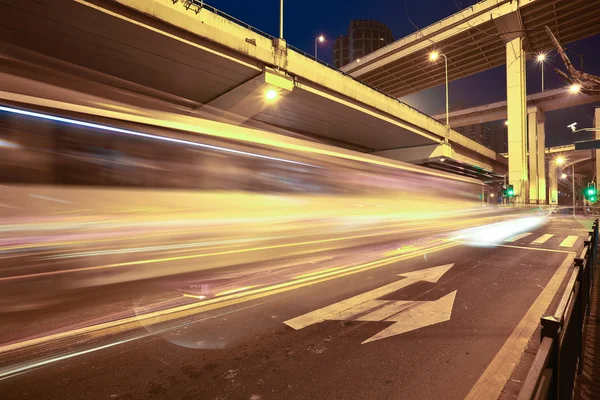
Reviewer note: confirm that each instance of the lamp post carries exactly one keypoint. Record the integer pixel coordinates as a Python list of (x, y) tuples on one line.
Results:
[(433, 56), (318, 39), (541, 58), (560, 161), (573, 186), (280, 19)]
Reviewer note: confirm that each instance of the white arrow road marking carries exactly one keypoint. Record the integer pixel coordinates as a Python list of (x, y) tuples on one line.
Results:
[(406, 315), (417, 315)]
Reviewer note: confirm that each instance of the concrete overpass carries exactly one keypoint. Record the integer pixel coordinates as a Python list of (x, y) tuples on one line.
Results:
[(474, 40), (537, 105), (549, 100), (488, 34), (140, 54)]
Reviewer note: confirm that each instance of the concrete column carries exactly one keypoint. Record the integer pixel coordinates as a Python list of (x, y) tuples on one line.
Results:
[(533, 154), (541, 140), (537, 167), (553, 176), (517, 108)]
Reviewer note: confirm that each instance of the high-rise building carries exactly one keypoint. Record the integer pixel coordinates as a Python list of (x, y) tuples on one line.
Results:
[(363, 37), (492, 135), (341, 52)]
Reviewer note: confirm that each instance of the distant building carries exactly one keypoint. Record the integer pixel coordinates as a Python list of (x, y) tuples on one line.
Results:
[(492, 135), (341, 52), (363, 37)]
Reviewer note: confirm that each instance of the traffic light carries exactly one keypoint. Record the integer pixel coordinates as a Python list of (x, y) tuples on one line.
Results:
[(510, 191), (591, 193)]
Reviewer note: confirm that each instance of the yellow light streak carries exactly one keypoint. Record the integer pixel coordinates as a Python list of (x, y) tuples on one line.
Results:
[(130, 323), (231, 291)]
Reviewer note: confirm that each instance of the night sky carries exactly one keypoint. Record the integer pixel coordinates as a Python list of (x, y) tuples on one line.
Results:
[(304, 20)]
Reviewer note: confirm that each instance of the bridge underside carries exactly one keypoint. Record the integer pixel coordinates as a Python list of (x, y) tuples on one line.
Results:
[(474, 41), (105, 50)]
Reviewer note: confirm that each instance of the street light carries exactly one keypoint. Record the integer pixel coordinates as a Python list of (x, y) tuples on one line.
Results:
[(541, 58), (506, 123), (560, 160), (575, 88), (563, 176), (433, 56), (318, 39), (574, 129), (271, 94)]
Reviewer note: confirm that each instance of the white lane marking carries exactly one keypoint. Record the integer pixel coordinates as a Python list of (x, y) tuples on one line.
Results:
[(517, 237), (569, 241), (542, 239), (406, 315)]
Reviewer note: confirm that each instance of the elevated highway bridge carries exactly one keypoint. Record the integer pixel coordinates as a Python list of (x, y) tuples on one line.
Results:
[(144, 55)]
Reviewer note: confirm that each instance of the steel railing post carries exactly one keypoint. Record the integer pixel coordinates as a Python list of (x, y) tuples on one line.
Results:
[(550, 329), (583, 295)]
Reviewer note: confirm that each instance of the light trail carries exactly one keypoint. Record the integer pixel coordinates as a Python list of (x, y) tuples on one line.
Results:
[(9, 372), (407, 228), (218, 253), (145, 135), (217, 302)]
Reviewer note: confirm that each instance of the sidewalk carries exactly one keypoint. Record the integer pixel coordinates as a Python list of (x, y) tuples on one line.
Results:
[(587, 386)]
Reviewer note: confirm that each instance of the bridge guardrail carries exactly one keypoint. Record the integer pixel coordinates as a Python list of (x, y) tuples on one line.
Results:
[(558, 359), (198, 5)]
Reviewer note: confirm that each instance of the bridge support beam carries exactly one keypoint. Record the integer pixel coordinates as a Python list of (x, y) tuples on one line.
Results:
[(248, 99), (517, 108), (417, 154), (553, 171), (537, 145), (437, 152)]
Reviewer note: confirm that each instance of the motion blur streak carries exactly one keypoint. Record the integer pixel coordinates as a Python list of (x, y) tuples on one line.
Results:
[(226, 292), (217, 302), (161, 260), (132, 224), (15, 370), (494, 233), (9, 372), (134, 133)]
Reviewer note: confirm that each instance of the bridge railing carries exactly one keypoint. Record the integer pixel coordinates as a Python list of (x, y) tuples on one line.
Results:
[(198, 5), (559, 357)]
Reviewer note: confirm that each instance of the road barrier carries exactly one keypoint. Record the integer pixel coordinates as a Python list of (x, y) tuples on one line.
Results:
[(559, 357)]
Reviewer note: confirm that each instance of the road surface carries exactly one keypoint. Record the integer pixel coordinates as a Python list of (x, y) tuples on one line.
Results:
[(425, 319)]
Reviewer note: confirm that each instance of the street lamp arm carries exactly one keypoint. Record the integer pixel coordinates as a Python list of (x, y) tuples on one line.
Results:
[(587, 130), (447, 103)]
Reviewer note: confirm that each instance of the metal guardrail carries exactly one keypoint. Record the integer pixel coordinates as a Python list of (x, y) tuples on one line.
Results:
[(559, 357), (198, 5)]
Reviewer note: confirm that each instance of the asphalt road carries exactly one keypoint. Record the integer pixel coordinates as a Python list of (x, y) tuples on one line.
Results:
[(377, 321)]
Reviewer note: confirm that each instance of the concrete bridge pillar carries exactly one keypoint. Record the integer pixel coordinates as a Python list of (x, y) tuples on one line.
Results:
[(537, 145), (517, 108), (553, 177)]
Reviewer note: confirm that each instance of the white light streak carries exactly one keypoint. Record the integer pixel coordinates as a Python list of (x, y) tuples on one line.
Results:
[(145, 135)]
